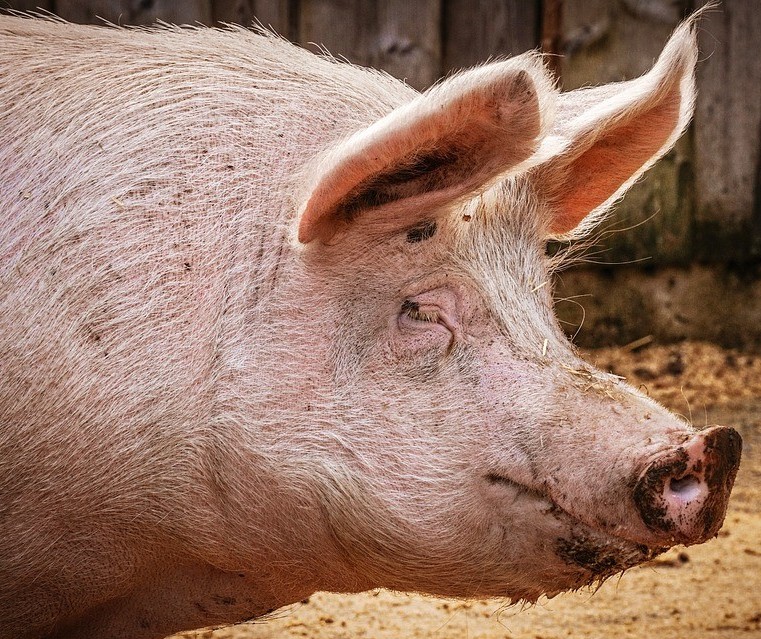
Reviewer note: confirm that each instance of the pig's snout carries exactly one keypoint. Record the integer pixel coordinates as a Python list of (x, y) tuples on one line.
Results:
[(682, 495)]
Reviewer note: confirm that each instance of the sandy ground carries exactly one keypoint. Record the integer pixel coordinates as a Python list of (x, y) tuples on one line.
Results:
[(703, 592)]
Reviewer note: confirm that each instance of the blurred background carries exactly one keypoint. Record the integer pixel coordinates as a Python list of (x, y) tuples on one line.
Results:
[(679, 259)]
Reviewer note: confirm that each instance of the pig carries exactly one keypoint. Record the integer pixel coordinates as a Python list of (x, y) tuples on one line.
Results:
[(272, 324)]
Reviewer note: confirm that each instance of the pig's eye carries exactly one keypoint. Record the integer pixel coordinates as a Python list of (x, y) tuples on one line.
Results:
[(427, 322), (413, 311)]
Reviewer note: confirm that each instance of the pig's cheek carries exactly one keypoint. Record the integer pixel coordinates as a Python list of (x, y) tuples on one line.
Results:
[(513, 413), (424, 341)]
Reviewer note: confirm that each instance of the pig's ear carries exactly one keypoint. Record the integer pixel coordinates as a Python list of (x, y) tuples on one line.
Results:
[(449, 143), (611, 134)]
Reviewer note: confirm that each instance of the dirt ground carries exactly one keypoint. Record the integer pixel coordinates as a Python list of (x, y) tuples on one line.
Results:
[(711, 591)]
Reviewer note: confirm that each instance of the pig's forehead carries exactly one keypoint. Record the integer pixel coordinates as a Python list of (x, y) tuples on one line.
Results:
[(501, 246), (499, 233), (496, 238)]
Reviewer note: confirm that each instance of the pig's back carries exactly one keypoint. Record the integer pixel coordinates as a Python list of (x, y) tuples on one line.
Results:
[(145, 193)]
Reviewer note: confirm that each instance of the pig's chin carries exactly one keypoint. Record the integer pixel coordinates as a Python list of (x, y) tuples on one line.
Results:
[(568, 553)]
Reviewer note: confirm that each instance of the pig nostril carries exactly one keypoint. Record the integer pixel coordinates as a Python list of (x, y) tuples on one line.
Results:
[(686, 488), (683, 492)]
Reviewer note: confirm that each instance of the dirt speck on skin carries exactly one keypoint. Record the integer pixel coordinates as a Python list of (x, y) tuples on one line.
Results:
[(707, 591)]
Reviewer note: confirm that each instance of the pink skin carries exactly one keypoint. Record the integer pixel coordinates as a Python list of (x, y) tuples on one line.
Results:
[(445, 335), (271, 325)]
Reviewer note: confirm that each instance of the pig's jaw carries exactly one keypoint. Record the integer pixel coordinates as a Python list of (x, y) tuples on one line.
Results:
[(583, 555)]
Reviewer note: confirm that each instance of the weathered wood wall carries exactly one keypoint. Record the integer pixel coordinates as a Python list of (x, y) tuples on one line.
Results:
[(416, 40), (727, 133), (702, 201), (699, 205)]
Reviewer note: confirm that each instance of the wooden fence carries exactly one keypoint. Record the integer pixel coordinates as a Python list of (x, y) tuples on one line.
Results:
[(701, 203)]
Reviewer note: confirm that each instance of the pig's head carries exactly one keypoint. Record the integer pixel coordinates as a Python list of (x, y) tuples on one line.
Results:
[(457, 443)]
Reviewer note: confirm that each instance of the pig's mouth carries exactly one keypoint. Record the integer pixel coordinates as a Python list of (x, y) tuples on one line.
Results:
[(592, 555), (602, 555)]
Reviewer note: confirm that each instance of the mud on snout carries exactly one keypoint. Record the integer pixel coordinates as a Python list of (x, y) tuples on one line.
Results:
[(591, 556), (598, 557)]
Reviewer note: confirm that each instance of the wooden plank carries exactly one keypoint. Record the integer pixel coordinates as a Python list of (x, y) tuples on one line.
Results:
[(728, 116), (345, 28), (273, 14), (552, 36), (409, 40), (234, 11), (611, 41), (135, 11), (607, 41), (398, 36), (28, 5), (476, 30), (92, 12), (276, 15)]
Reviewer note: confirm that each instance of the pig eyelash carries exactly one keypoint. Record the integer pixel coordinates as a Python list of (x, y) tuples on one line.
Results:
[(412, 310)]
